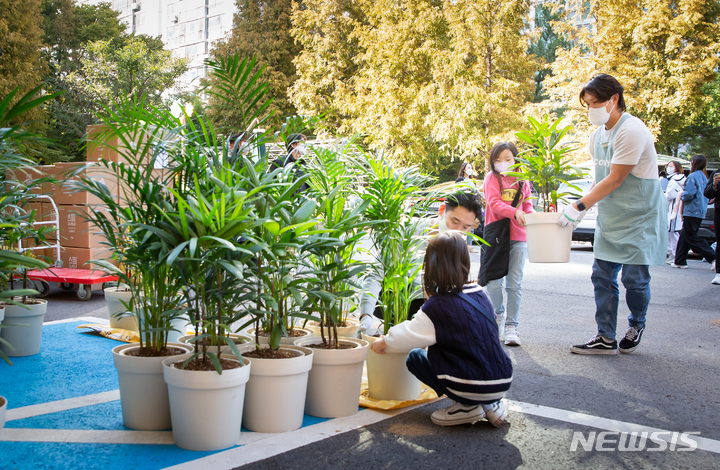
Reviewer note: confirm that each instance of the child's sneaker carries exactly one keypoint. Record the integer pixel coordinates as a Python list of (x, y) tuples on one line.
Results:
[(716, 279), (512, 338), (457, 413), (597, 345), (496, 412), (631, 341), (500, 320)]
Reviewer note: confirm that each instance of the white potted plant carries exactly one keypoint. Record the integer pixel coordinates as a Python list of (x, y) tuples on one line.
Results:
[(336, 376), (546, 164), (396, 244)]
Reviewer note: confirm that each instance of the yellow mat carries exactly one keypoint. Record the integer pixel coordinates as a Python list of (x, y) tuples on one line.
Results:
[(426, 394), (118, 334)]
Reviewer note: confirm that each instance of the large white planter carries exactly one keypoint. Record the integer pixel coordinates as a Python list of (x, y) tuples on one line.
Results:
[(24, 339), (143, 391), (349, 331), (3, 408), (223, 349), (2, 313), (334, 382), (547, 241), (206, 407), (275, 397), (389, 377), (116, 303), (285, 340)]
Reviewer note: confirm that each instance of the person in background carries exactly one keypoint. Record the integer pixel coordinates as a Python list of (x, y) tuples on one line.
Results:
[(464, 359), (237, 146), (500, 191), (632, 215), (466, 172), (663, 178), (675, 186), (459, 212), (296, 147), (694, 209), (712, 191)]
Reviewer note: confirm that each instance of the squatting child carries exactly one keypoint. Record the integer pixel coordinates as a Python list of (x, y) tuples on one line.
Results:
[(464, 359)]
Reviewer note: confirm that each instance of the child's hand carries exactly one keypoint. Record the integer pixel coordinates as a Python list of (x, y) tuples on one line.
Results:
[(379, 345)]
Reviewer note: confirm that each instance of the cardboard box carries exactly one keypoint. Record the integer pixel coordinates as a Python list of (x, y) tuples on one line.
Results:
[(77, 257), (68, 173), (27, 175), (102, 145), (75, 230)]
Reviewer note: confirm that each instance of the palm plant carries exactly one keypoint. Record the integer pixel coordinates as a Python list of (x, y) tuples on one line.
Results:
[(396, 239), (546, 163), (334, 286), (143, 133), (15, 222)]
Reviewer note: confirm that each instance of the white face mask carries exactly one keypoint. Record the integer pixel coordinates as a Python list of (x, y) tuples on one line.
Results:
[(301, 149), (502, 167), (671, 170), (599, 116), (470, 172)]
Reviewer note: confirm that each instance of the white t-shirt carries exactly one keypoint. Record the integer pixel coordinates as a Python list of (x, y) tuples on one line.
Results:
[(633, 145)]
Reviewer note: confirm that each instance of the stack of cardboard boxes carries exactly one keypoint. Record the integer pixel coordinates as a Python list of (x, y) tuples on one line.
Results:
[(80, 241)]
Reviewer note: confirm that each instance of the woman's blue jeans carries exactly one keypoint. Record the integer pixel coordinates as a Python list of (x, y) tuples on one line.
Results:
[(635, 278), (512, 284)]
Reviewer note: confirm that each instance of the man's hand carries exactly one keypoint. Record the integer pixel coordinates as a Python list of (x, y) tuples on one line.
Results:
[(570, 215), (379, 345)]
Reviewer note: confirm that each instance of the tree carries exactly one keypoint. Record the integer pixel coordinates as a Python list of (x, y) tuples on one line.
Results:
[(662, 51), (20, 43), (262, 29), (546, 42), (423, 79), (68, 27)]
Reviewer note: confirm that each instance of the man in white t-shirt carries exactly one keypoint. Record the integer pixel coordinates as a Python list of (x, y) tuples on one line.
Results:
[(632, 215)]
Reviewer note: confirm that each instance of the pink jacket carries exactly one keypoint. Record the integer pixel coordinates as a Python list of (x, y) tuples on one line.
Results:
[(500, 205)]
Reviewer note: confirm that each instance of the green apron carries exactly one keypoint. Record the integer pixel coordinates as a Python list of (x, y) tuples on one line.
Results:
[(632, 221)]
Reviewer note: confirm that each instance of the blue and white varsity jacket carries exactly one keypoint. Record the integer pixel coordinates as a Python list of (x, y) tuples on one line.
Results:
[(463, 344)]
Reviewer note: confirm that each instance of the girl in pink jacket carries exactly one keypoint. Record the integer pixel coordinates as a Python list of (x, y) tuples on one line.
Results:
[(500, 191)]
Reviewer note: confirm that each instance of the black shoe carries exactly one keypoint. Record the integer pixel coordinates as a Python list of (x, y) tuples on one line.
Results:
[(631, 340), (597, 345)]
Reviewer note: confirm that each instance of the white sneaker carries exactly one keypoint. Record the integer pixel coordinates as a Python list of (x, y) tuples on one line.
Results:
[(500, 319), (679, 266), (512, 338), (457, 413), (716, 279), (712, 266), (496, 412)]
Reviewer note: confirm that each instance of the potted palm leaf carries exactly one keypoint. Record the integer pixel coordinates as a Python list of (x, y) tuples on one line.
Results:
[(335, 379), (546, 163), (19, 306), (397, 239), (152, 302)]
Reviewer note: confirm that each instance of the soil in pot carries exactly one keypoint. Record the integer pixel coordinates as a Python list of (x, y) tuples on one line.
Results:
[(329, 346), (199, 365), (149, 352), (294, 333), (267, 353)]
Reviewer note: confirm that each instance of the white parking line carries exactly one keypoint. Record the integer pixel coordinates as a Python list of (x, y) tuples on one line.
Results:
[(61, 405)]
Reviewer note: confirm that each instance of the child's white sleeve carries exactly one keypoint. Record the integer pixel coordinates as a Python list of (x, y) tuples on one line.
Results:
[(416, 333)]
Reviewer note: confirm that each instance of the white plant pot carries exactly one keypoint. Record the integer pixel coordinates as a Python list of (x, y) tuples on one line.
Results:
[(24, 339), (547, 241), (335, 380), (285, 340), (350, 331), (206, 407), (3, 408), (2, 313), (223, 349), (116, 303), (389, 377), (275, 397), (143, 391)]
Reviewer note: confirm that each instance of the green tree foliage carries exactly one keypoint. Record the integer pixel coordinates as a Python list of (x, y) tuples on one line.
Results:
[(21, 64), (421, 79), (662, 51), (261, 29), (546, 42), (68, 27)]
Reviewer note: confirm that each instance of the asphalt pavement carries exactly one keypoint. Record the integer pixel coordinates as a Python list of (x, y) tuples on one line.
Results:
[(669, 384)]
